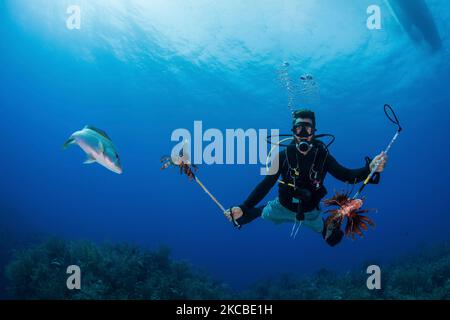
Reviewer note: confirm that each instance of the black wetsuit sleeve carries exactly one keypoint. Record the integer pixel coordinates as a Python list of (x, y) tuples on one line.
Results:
[(349, 175), (263, 188)]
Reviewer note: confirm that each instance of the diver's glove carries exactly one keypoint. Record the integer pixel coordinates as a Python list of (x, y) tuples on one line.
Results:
[(242, 214), (381, 159), (376, 176), (234, 213)]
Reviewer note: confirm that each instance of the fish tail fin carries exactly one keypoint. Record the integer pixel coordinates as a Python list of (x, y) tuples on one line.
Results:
[(68, 142)]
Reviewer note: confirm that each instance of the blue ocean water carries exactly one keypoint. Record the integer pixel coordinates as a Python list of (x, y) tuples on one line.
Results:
[(141, 69)]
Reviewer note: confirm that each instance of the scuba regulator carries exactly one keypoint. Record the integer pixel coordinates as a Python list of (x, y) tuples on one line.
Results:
[(303, 131)]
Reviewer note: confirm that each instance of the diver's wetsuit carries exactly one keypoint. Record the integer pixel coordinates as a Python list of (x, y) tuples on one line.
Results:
[(307, 173)]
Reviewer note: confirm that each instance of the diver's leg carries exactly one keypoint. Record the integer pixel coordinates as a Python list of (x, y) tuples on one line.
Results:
[(334, 238), (276, 213)]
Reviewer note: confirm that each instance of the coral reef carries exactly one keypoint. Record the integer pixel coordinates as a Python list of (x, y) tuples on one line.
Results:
[(108, 272), (424, 275), (130, 272), (15, 232)]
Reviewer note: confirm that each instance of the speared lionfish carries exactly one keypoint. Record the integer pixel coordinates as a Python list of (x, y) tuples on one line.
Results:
[(189, 169), (181, 161), (348, 208)]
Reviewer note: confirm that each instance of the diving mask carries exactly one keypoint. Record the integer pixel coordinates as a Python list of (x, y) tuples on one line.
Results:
[(303, 129)]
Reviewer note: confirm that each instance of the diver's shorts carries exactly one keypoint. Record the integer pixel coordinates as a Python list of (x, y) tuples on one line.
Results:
[(275, 212)]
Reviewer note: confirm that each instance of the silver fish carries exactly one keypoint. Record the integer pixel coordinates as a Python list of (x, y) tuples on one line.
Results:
[(98, 147)]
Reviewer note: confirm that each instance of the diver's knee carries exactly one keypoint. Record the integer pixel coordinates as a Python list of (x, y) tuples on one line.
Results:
[(335, 238)]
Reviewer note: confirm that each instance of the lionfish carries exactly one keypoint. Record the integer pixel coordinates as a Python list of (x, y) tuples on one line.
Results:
[(182, 161), (185, 167), (350, 209)]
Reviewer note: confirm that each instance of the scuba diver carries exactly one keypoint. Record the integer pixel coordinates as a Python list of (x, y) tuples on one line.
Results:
[(302, 166)]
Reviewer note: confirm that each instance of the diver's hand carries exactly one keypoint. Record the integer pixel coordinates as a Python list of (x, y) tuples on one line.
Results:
[(235, 214), (383, 159)]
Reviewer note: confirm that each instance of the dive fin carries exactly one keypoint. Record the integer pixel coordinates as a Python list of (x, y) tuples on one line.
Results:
[(89, 160), (68, 142)]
